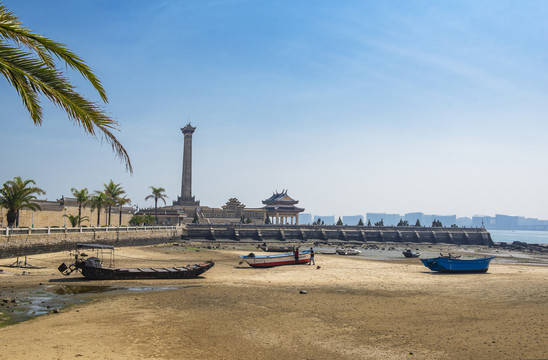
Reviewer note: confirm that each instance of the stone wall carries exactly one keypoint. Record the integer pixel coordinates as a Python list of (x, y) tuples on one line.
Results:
[(24, 244), (52, 214), (463, 236)]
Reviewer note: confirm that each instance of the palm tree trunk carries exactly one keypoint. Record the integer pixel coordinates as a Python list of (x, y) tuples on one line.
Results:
[(156, 209), (109, 211), (11, 217), (120, 222), (98, 216), (80, 215)]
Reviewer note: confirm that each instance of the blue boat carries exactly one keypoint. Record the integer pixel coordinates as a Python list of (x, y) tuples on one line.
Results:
[(446, 265)]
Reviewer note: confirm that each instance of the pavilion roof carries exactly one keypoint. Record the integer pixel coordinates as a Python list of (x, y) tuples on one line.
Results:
[(282, 209), (280, 198)]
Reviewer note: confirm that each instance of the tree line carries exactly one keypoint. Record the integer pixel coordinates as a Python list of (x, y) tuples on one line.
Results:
[(435, 223), (19, 194)]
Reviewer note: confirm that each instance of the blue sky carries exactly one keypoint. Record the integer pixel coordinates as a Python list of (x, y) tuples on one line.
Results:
[(353, 106)]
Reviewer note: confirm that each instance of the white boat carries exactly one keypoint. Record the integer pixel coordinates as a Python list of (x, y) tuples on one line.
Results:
[(411, 254), (348, 251), (276, 260)]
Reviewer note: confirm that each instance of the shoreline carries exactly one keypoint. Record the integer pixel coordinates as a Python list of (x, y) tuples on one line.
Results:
[(354, 308)]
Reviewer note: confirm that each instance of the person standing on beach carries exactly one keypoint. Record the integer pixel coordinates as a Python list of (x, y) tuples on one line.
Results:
[(296, 252), (311, 262)]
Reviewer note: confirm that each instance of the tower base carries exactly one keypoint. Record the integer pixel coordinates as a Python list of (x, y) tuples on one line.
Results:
[(186, 201)]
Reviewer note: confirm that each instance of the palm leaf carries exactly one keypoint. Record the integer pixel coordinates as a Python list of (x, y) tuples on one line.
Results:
[(32, 73)]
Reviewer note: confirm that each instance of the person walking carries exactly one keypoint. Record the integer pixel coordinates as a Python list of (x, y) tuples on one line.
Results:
[(311, 262)]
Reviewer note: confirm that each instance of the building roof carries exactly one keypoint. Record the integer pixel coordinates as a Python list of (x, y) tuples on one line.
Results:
[(282, 209), (280, 198)]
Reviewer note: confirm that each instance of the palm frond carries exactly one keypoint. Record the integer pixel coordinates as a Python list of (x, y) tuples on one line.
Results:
[(12, 28), (29, 76), (35, 72)]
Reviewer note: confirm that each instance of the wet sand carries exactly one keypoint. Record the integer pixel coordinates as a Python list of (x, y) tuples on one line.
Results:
[(355, 308)]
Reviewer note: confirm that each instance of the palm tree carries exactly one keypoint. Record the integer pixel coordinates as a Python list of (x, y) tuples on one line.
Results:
[(82, 197), (97, 201), (121, 202), (157, 194), (113, 193), (15, 195), (28, 62), (76, 220)]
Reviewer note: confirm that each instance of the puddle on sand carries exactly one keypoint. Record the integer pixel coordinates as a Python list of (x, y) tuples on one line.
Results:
[(31, 303), (83, 289)]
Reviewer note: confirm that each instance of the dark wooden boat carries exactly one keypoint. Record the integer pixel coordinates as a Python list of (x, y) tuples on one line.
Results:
[(92, 267)]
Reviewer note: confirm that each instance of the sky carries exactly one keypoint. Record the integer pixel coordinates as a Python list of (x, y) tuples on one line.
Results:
[(352, 106)]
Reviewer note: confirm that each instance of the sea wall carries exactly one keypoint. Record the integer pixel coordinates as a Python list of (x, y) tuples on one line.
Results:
[(20, 242), (411, 234), (28, 241)]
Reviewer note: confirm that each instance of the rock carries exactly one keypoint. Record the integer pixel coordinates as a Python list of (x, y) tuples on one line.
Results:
[(56, 311), (303, 292), (6, 300)]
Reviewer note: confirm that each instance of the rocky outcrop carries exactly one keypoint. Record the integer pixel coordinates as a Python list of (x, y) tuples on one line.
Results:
[(523, 247)]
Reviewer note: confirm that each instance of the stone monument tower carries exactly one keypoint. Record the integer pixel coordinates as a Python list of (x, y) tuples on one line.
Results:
[(186, 197)]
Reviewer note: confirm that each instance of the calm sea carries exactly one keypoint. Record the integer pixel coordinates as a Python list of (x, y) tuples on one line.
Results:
[(509, 236)]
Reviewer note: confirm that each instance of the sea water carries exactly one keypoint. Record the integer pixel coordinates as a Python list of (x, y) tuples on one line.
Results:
[(509, 236)]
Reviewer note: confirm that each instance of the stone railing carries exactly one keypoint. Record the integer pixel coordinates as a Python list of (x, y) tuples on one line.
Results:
[(79, 230)]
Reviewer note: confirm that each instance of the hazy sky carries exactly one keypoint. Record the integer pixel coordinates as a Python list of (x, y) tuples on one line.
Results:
[(353, 106)]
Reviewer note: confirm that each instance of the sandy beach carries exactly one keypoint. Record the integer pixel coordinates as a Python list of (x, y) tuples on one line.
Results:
[(354, 308)]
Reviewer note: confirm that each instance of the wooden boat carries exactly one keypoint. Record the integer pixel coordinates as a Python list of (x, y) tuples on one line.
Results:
[(411, 254), (347, 251), (264, 261), (446, 265), (92, 267), (450, 256)]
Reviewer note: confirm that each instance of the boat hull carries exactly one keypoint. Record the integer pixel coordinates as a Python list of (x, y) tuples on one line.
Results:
[(445, 265), (348, 252), (183, 272), (266, 261), (411, 254)]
